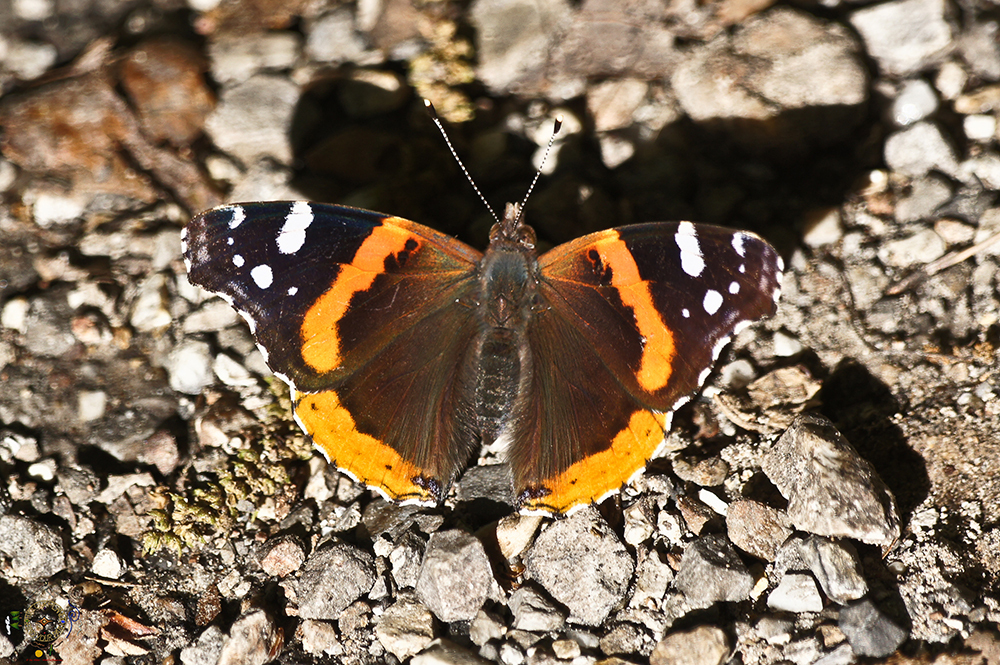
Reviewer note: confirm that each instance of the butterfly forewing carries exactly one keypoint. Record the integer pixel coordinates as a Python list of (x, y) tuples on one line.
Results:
[(346, 305)]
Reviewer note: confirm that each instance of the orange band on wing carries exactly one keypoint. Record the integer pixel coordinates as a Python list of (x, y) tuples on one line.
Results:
[(593, 477), (367, 459), (658, 351), (320, 338)]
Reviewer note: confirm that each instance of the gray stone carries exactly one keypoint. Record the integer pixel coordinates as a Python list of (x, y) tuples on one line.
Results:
[(842, 655), (485, 627), (264, 180), (320, 637), (515, 533), (831, 490), (487, 481), (920, 149), (615, 149), (107, 564), (627, 639), (652, 577), (824, 228), (804, 651), (566, 649), (333, 38), (78, 483), (533, 611), (711, 572), (705, 645), (582, 564), (331, 579), (905, 36), (640, 521), (405, 628), (455, 576), (980, 47), (921, 247), (405, 559), (234, 58), (612, 104), (835, 566), (214, 314), (635, 42), (253, 118), (47, 326), (254, 639), (756, 528), (786, 60), (915, 101), (796, 592), (35, 550), (150, 310), (775, 629), (189, 367), (514, 39), (206, 649), (282, 556), (870, 631), (28, 59), (709, 472), (926, 195)]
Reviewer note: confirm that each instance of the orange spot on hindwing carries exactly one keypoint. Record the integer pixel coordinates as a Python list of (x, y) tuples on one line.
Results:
[(364, 457), (321, 347), (596, 476)]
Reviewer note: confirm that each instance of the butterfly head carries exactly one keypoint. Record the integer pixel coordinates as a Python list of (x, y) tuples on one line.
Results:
[(512, 230)]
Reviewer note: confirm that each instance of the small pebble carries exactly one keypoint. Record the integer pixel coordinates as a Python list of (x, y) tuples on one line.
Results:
[(107, 564), (704, 645), (916, 100)]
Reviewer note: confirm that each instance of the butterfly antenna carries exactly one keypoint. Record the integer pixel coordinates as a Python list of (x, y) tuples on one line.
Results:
[(552, 139), (437, 121)]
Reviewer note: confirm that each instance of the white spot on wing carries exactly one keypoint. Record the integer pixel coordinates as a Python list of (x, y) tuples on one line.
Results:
[(734, 288), (292, 290), (686, 313), (238, 260), (686, 238), (712, 301), (293, 232), (229, 241), (262, 275), (238, 216), (738, 239)]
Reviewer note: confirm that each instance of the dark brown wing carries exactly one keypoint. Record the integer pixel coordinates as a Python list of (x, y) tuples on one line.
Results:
[(630, 322), (367, 317)]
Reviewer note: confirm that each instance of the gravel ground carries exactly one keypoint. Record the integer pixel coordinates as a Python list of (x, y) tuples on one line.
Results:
[(831, 498)]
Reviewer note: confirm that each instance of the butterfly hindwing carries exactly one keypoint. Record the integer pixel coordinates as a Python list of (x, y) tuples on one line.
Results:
[(632, 320), (348, 306)]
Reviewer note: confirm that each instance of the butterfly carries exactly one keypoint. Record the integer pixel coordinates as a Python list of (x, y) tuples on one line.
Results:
[(407, 350)]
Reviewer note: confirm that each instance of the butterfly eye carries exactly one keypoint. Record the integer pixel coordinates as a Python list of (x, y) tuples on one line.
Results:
[(526, 236)]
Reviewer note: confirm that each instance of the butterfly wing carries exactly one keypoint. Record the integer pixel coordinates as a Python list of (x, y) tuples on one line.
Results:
[(368, 318), (630, 322)]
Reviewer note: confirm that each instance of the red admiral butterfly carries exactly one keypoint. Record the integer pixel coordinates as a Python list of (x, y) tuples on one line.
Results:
[(407, 350)]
